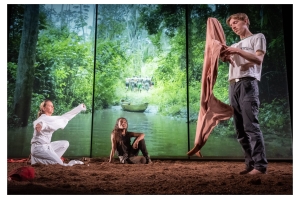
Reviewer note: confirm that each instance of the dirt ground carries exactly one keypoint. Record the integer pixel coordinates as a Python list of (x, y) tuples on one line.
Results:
[(162, 177)]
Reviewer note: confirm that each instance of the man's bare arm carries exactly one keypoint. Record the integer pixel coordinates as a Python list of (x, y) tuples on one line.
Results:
[(256, 58)]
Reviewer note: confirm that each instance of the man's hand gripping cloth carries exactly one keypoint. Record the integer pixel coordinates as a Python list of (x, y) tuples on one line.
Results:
[(212, 110)]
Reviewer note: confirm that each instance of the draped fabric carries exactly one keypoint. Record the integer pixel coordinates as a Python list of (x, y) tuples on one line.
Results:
[(212, 110)]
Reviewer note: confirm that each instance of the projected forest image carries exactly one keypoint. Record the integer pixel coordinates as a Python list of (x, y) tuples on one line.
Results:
[(112, 57)]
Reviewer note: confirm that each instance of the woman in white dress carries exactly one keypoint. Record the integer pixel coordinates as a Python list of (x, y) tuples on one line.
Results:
[(44, 151)]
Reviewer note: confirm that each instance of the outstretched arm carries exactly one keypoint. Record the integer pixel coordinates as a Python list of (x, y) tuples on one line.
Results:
[(72, 113), (56, 122)]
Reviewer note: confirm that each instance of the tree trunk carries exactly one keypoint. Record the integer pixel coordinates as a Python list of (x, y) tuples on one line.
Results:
[(92, 34), (82, 21), (26, 61), (62, 20)]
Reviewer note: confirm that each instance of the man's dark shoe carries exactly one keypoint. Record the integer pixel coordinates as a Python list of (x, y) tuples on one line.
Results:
[(245, 171)]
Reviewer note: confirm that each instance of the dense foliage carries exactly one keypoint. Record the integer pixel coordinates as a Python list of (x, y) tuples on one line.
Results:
[(80, 59)]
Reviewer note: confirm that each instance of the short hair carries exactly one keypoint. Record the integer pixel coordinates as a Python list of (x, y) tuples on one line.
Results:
[(239, 16)]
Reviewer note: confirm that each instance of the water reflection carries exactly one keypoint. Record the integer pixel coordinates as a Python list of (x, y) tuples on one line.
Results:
[(163, 135), (166, 137)]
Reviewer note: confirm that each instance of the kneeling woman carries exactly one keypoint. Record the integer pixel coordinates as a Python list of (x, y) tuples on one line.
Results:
[(44, 151), (120, 142)]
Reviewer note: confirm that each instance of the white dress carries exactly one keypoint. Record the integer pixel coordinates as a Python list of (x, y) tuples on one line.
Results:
[(42, 149)]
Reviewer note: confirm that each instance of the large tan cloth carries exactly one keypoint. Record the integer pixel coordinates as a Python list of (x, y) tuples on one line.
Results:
[(212, 110)]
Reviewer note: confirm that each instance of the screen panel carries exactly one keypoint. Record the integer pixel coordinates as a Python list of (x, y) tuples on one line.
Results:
[(109, 56)]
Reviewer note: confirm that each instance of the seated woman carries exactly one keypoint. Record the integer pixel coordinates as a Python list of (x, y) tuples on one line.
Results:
[(120, 142), (44, 151)]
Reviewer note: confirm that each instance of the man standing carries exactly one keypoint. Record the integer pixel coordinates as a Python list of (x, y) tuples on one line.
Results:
[(246, 58)]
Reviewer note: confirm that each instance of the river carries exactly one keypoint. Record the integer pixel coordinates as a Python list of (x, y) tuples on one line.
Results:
[(166, 137)]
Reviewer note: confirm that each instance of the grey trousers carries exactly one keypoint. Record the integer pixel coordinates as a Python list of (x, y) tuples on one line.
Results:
[(244, 98)]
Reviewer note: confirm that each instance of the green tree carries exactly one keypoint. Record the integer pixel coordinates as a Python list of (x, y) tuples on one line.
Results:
[(26, 62)]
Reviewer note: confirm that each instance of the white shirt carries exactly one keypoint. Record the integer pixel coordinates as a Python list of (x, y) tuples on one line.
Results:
[(250, 44), (51, 124)]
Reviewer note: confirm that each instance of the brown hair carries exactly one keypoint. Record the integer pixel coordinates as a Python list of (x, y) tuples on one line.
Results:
[(116, 132), (239, 16), (42, 105)]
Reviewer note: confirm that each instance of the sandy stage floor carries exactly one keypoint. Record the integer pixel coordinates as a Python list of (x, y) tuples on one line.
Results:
[(97, 176)]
